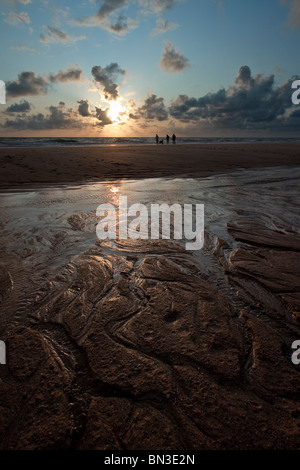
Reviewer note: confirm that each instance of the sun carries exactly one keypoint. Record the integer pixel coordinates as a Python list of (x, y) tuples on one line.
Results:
[(115, 111)]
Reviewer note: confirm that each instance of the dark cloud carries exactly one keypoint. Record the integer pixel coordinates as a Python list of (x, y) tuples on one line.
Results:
[(54, 32), (22, 107), (71, 74), (102, 116), (172, 60), (244, 76), (250, 103), (153, 108), (84, 108), (54, 35), (30, 84), (108, 7), (27, 83), (110, 17), (106, 77), (58, 118), (120, 26)]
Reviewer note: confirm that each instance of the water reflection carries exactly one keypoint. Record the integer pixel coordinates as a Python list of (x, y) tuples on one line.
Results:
[(58, 223)]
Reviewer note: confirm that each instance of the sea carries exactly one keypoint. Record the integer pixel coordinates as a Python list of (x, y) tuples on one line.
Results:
[(111, 141)]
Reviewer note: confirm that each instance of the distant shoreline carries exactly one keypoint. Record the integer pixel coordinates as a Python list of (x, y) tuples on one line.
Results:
[(78, 164), (41, 142)]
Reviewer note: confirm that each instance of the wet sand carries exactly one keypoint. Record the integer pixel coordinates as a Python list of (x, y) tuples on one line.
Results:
[(28, 166), (134, 344)]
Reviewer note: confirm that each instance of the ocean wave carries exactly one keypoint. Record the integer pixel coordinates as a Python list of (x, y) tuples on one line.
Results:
[(111, 141)]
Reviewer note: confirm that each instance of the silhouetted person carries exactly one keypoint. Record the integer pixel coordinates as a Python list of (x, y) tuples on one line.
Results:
[(157, 139), (174, 138), (168, 138)]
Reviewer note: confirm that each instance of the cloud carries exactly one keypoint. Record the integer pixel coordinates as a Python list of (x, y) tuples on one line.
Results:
[(158, 6), (14, 18), (111, 18), (111, 15), (108, 7), (30, 84), (23, 48), (152, 109), (54, 36), (27, 83), (22, 107), (121, 26), (15, 2), (71, 74), (294, 12), (58, 117), (244, 76), (106, 77), (172, 60), (162, 26), (84, 108), (250, 103), (102, 116)]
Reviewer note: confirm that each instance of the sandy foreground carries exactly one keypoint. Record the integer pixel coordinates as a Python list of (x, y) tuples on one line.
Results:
[(73, 164), (148, 346)]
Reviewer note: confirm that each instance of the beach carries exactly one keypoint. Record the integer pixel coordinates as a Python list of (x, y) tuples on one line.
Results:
[(138, 344), (39, 166)]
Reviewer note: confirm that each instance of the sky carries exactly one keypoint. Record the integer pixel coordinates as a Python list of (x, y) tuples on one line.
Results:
[(102, 68)]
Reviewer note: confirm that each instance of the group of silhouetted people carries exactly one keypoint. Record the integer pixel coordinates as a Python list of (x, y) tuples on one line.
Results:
[(167, 139)]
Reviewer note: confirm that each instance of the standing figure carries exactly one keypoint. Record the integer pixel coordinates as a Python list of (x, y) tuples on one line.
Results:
[(157, 139), (168, 138), (174, 138)]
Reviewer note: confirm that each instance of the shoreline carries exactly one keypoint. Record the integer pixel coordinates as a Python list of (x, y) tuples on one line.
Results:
[(70, 185), (152, 144), (31, 166)]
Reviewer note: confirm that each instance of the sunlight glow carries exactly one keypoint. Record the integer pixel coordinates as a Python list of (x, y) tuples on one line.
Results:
[(115, 111)]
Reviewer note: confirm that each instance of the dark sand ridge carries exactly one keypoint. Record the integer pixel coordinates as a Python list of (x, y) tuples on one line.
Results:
[(157, 358), (78, 164)]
